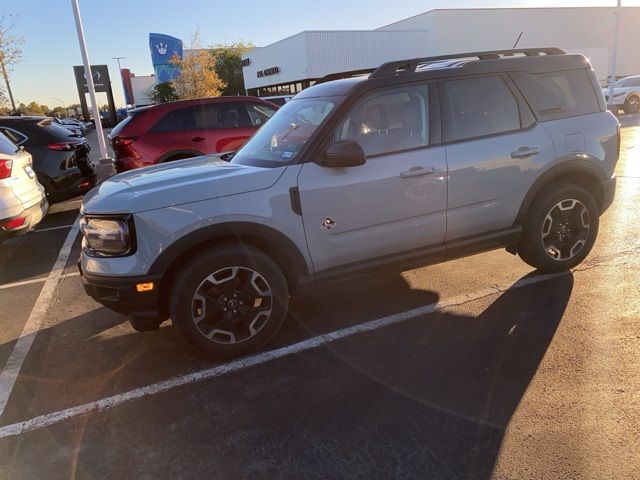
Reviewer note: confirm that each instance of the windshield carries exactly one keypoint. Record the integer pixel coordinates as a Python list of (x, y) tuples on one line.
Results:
[(282, 138)]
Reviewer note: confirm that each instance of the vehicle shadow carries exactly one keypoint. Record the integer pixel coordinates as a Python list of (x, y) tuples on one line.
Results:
[(429, 397)]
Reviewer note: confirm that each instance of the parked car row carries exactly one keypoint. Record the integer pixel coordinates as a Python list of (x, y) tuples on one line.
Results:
[(41, 163)]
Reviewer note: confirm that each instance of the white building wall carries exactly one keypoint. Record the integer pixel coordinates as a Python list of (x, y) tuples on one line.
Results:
[(315, 54), (289, 54), (588, 30), (342, 51), (139, 86)]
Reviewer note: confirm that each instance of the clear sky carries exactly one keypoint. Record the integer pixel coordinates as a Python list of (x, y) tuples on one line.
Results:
[(120, 28)]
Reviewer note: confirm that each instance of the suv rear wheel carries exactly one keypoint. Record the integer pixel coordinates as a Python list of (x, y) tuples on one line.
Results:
[(560, 228), (229, 301)]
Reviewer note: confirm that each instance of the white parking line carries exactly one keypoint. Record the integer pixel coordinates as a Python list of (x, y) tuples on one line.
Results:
[(51, 228), (109, 402), (38, 313), (35, 280)]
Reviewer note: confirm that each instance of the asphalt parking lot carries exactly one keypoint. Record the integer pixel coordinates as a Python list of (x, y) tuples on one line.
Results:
[(477, 368)]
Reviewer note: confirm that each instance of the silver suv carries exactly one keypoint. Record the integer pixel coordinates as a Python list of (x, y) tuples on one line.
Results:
[(422, 161)]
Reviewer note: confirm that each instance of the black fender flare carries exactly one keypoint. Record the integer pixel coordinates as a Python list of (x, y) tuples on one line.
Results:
[(571, 164), (274, 243)]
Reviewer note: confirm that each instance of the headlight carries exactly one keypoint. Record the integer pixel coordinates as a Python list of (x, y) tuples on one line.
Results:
[(106, 237)]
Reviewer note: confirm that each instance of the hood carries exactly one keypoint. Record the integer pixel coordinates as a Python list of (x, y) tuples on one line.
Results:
[(176, 183)]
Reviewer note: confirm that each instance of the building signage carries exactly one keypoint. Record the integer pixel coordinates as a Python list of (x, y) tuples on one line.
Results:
[(163, 48), (100, 75), (268, 71), (246, 62)]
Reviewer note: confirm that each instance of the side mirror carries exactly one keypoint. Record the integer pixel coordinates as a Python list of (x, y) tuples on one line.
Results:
[(345, 153)]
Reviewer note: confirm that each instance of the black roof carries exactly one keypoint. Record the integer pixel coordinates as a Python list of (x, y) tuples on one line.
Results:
[(531, 60)]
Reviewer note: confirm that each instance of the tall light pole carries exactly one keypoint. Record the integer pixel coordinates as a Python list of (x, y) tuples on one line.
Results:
[(89, 76), (614, 55)]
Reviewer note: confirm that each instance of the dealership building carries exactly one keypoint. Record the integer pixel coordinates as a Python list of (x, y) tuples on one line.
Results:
[(297, 62)]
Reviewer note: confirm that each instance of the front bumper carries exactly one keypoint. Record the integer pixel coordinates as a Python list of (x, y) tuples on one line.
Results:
[(120, 295), (608, 193)]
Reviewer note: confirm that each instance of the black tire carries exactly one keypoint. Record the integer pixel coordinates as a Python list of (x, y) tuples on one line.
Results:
[(207, 284), (632, 104), (565, 243)]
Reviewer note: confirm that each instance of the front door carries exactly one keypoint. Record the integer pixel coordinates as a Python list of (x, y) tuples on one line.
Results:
[(396, 202)]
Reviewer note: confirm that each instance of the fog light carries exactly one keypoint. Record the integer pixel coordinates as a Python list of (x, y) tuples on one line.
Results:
[(144, 287)]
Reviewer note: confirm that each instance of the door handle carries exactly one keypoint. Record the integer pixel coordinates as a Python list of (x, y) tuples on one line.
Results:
[(524, 152), (197, 139), (417, 172)]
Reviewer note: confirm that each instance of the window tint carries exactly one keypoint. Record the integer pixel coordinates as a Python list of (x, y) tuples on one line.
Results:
[(259, 113), (554, 95), (221, 115), (175, 121), (7, 147), (389, 121), (16, 137), (477, 107)]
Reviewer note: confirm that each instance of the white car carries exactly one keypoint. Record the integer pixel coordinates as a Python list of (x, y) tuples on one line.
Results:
[(23, 203), (626, 95)]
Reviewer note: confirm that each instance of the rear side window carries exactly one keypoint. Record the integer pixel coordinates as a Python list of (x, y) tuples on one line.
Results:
[(176, 121), (477, 107), (221, 115), (7, 147), (13, 135), (554, 95)]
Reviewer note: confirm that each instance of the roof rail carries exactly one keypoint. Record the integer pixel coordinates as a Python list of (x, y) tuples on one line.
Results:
[(342, 75), (409, 66)]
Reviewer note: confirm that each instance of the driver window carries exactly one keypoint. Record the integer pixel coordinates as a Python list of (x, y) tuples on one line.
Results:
[(387, 121)]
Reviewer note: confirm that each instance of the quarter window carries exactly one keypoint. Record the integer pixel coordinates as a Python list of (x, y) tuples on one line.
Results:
[(16, 137), (389, 121), (555, 95), (477, 107)]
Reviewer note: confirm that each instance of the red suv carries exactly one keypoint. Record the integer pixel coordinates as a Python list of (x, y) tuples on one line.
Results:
[(171, 131)]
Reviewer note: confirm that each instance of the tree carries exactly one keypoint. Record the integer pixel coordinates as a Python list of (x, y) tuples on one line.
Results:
[(33, 109), (10, 54), (198, 77), (162, 93), (59, 112), (229, 65)]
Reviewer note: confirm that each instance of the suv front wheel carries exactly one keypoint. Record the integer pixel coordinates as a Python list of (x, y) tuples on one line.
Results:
[(229, 300), (560, 228)]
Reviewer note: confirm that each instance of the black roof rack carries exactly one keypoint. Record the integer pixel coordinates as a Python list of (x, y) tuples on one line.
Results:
[(342, 75), (400, 67)]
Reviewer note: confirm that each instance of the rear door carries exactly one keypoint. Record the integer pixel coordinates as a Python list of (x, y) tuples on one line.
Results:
[(175, 132), (226, 125), (495, 151)]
